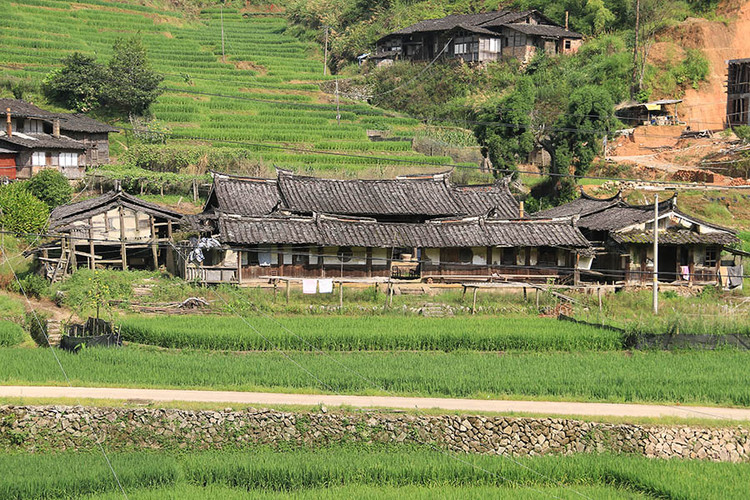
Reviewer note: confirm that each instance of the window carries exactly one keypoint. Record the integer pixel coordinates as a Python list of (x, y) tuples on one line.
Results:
[(68, 159), (465, 255), (710, 260), (38, 158), (567, 44), (494, 45), (547, 256), (345, 254), (509, 256)]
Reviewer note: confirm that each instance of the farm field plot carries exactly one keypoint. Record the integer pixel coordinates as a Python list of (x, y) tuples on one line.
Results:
[(264, 92), (686, 377), (367, 333), (370, 472)]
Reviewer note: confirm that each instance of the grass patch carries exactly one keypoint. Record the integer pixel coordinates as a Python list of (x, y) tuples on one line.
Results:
[(365, 333), (378, 471), (686, 377), (11, 334)]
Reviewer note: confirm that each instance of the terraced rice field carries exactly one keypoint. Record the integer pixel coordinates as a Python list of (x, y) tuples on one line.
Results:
[(265, 92)]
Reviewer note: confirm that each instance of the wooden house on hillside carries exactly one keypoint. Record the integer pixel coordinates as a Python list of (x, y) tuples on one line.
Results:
[(35, 139), (115, 230), (489, 36), (621, 234), (738, 92), (418, 227)]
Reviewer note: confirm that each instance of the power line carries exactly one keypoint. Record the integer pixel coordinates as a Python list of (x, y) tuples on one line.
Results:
[(65, 374)]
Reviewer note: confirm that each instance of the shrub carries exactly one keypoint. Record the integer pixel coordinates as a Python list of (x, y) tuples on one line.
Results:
[(10, 334), (51, 187), (32, 285), (36, 324), (22, 212)]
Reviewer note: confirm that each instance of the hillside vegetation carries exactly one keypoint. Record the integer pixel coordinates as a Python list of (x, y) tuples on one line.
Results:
[(265, 93)]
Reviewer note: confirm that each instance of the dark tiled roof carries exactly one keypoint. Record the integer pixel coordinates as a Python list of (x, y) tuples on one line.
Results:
[(479, 200), (452, 21), (428, 196), (35, 141), (243, 196), (580, 206), (23, 109), (679, 237), (75, 122), (336, 231), (82, 123), (543, 30), (82, 210)]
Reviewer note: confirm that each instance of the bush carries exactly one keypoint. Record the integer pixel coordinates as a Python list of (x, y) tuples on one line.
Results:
[(10, 334), (32, 284), (36, 324), (22, 212), (51, 187)]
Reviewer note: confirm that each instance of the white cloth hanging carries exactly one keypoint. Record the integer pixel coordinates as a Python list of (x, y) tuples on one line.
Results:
[(309, 286), (326, 286)]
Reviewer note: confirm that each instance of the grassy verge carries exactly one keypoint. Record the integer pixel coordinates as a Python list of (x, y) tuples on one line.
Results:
[(688, 377), (378, 471), (341, 333)]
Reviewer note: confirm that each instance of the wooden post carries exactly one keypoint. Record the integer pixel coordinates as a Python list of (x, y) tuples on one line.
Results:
[(576, 271), (154, 245), (275, 289), (239, 267), (369, 261), (92, 263), (474, 302), (320, 262), (390, 294), (169, 230), (524, 294), (287, 291), (536, 292), (195, 191), (123, 251), (341, 296), (599, 294), (463, 294), (73, 258)]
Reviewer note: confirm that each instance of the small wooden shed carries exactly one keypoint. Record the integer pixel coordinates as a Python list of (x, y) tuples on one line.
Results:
[(115, 230)]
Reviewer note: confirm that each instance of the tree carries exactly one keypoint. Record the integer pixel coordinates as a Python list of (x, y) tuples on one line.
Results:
[(51, 187), (505, 132), (22, 212), (77, 85), (580, 131), (131, 84)]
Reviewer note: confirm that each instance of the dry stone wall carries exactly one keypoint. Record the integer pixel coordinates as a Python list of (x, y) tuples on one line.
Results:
[(39, 428)]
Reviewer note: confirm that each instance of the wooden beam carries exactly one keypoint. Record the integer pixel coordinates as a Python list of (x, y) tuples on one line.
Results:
[(368, 251), (92, 264), (73, 260), (154, 248), (123, 251), (239, 266)]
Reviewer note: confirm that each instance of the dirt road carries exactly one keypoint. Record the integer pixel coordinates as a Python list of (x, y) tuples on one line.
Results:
[(468, 405)]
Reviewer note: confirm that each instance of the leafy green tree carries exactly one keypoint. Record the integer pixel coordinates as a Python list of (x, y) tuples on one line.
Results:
[(51, 187), (131, 84), (579, 133), (77, 85), (22, 212), (505, 131)]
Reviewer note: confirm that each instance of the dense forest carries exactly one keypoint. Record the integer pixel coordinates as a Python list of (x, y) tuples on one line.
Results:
[(563, 104)]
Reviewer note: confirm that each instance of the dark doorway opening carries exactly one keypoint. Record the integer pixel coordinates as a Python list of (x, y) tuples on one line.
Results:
[(667, 263)]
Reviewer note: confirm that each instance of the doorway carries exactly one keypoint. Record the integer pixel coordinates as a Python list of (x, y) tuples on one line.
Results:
[(667, 263)]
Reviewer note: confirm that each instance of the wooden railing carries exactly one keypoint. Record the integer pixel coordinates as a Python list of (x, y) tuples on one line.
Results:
[(211, 274)]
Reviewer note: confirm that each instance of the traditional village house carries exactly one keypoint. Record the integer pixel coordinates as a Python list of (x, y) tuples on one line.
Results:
[(115, 230), (418, 227), (490, 36), (34, 139), (738, 92), (621, 234)]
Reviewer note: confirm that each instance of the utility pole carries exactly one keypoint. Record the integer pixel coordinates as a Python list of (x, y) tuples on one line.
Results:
[(223, 57), (635, 47), (338, 111), (656, 254), (325, 56)]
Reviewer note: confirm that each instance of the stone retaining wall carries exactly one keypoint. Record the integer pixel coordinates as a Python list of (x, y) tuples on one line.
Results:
[(39, 428)]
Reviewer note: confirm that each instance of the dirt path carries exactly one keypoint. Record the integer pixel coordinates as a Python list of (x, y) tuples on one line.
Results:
[(469, 405)]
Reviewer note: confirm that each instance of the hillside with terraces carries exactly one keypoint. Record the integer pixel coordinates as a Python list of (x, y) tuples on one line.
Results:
[(261, 97)]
